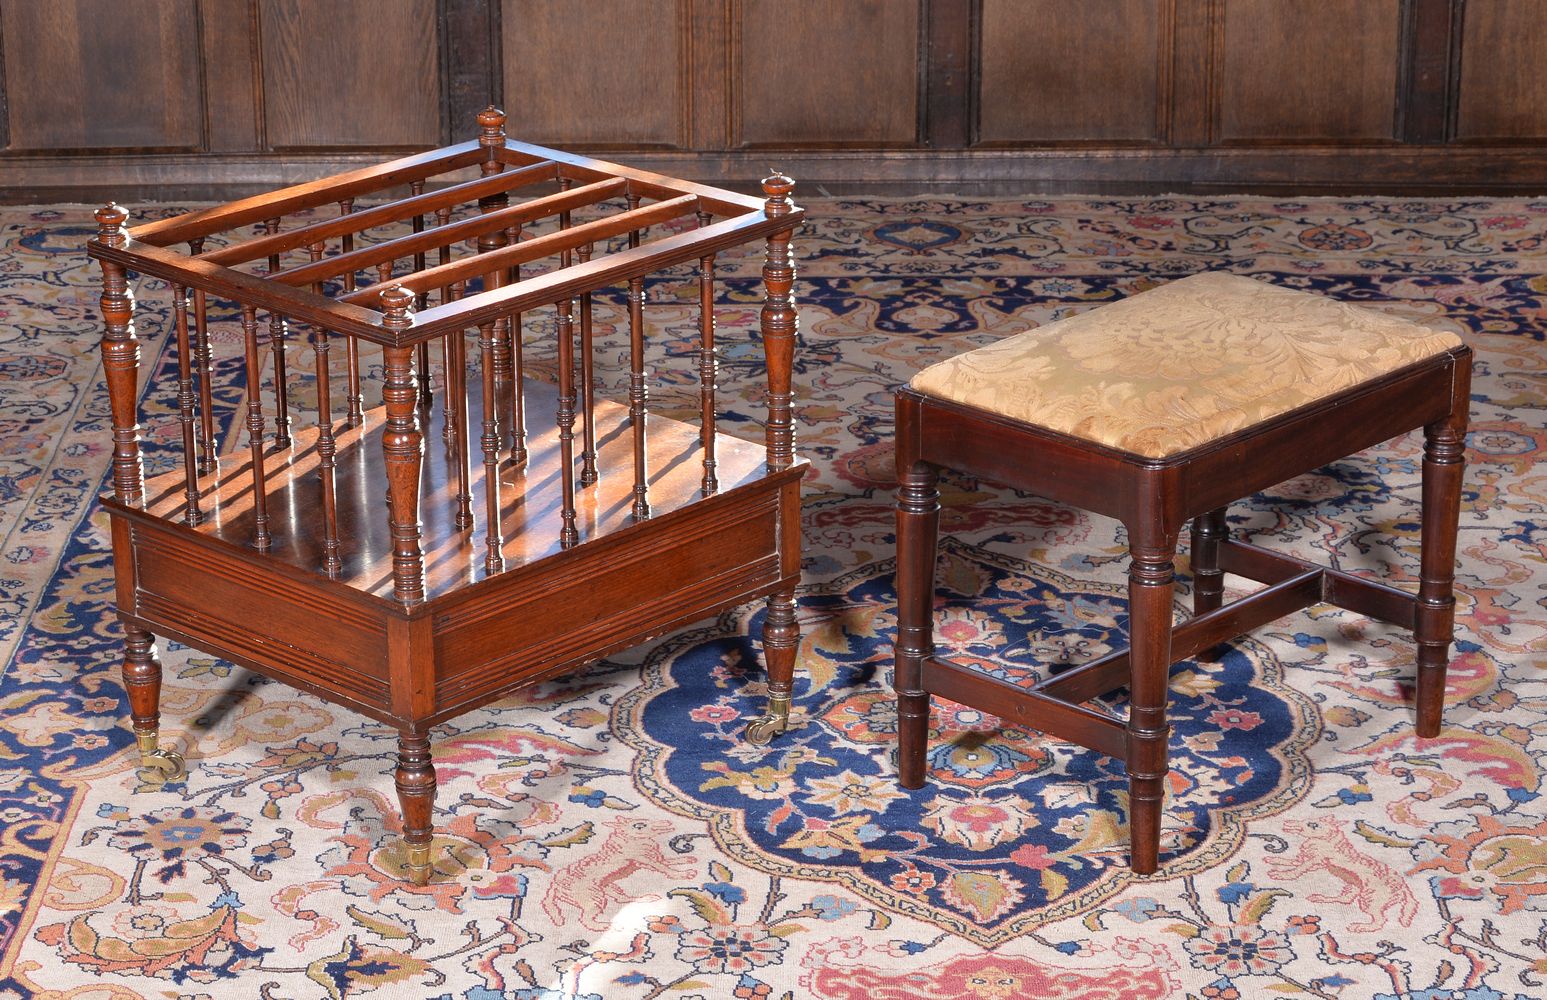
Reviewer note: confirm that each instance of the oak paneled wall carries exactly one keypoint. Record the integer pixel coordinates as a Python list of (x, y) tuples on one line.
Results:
[(349, 73), (1101, 77), (71, 85), (180, 98), (1502, 94), (830, 75), (1306, 71), (613, 79)]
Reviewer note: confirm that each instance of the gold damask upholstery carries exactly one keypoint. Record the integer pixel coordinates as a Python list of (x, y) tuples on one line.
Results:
[(1183, 364)]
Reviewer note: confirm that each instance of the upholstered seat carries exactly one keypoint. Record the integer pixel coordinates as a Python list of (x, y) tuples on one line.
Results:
[(1176, 367)]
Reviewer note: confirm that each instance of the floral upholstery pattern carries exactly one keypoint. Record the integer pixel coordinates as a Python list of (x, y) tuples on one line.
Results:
[(1182, 364)]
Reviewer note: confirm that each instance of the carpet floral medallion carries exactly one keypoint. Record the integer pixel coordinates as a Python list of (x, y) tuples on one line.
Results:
[(607, 836), (1015, 830)]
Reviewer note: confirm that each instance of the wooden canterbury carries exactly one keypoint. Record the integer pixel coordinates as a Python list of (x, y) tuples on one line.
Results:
[(402, 559)]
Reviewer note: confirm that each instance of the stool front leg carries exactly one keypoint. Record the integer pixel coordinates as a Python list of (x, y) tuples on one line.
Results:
[(918, 523), (1150, 582), (1444, 451)]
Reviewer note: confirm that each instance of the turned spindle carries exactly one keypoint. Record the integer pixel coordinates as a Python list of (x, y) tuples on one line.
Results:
[(518, 368), (354, 399), (261, 538), (494, 561), (708, 370), (442, 257), (587, 384), (277, 336), (568, 534), (327, 445), (638, 394), (185, 402), (204, 365), (426, 395)]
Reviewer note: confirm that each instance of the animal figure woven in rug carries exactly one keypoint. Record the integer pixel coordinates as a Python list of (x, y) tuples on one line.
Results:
[(608, 836)]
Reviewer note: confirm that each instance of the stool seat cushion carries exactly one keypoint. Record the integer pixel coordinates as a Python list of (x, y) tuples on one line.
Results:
[(1184, 364)]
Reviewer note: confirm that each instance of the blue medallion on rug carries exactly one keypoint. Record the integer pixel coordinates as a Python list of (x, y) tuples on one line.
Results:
[(1013, 829)]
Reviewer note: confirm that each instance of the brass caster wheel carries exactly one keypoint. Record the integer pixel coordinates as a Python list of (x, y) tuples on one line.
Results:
[(761, 730), (158, 766), (416, 865)]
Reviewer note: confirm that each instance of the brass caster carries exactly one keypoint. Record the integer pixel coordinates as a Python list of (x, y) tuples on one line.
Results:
[(417, 863), (158, 766), (761, 730)]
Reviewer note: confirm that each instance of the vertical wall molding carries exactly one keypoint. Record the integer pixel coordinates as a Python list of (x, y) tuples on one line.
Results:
[(950, 27)]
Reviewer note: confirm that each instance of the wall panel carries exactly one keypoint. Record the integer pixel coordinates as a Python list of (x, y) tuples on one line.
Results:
[(605, 72), (350, 73), (70, 84), (1306, 71), (825, 75), (1503, 86), (1046, 76)]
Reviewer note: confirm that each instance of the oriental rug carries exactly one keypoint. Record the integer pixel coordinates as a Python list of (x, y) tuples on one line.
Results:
[(609, 836)]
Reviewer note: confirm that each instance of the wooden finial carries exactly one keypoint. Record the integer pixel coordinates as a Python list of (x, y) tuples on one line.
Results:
[(397, 305), (491, 122), (778, 187), (110, 224)]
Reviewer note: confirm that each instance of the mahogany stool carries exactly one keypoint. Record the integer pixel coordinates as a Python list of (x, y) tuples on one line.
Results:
[(1160, 408)]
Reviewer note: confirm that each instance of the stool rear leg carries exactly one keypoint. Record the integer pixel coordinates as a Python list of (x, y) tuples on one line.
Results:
[(1150, 582), (1443, 460), (918, 523), (1208, 580)]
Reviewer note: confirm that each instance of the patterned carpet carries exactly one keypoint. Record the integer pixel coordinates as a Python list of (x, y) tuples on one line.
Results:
[(608, 836)]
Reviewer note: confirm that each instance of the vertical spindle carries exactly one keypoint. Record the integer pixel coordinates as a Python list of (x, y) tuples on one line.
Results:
[(261, 539), (277, 335), (204, 363), (354, 399), (564, 255), (708, 368), (568, 535), (443, 256), (185, 400), (638, 394), (327, 446), (455, 411), (587, 383), (518, 368), (402, 445), (631, 200), (494, 561), (426, 396)]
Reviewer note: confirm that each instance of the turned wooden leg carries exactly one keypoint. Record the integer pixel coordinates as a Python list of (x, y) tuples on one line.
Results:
[(415, 779), (1208, 581), (780, 323), (1150, 579), (781, 641), (918, 522), (142, 680), (1443, 460)]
